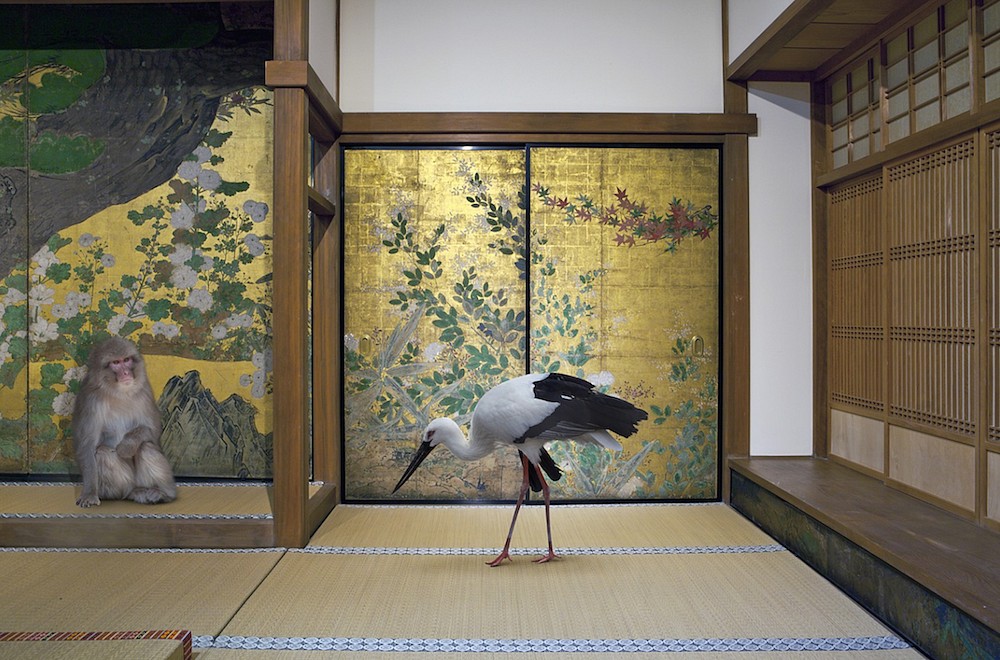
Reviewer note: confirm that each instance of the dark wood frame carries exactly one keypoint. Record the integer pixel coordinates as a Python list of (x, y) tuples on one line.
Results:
[(308, 125)]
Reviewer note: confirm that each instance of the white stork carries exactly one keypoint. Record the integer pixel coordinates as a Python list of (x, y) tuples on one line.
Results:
[(526, 413)]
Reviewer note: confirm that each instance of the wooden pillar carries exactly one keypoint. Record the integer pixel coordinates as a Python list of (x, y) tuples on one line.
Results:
[(291, 316)]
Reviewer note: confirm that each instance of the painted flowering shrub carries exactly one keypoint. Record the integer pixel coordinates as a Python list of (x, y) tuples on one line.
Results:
[(479, 297), (188, 278)]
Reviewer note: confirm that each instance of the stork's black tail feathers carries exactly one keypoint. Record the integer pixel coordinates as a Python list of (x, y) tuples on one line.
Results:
[(582, 408), (549, 466)]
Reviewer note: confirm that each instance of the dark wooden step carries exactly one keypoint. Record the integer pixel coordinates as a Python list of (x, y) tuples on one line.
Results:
[(926, 572)]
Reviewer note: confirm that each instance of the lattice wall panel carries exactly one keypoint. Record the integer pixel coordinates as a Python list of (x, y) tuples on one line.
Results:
[(993, 247), (933, 285), (857, 343)]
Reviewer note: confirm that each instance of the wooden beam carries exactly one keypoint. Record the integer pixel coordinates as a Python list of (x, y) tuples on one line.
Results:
[(387, 123)]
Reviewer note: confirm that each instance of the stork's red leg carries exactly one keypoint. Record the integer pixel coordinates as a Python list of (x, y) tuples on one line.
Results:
[(505, 553), (551, 554)]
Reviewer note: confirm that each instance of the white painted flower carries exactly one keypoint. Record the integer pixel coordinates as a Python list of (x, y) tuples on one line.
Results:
[(209, 179), (74, 373), (239, 321), (602, 379), (40, 295), (116, 323), (351, 342), (86, 239), (207, 264), (184, 277), (258, 390), (63, 404), (219, 331), (43, 259), (245, 380), (182, 217), (108, 260), (78, 299), (200, 299), (189, 170), (256, 210), (254, 245), (43, 330), (168, 330), (62, 311), (202, 154), (14, 296), (432, 351), (182, 252)]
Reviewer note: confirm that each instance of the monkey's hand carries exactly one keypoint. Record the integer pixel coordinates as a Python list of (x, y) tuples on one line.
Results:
[(131, 442), (127, 448)]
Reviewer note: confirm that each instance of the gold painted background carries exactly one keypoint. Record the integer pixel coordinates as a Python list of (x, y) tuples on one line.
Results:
[(616, 281)]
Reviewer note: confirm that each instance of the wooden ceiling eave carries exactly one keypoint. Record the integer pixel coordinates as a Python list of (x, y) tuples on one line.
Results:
[(812, 39)]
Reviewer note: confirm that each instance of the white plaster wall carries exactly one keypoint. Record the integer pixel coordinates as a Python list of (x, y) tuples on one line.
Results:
[(323, 42), (780, 271), (531, 56), (748, 19)]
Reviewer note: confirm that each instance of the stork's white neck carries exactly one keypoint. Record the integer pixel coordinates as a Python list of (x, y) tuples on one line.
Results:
[(448, 433)]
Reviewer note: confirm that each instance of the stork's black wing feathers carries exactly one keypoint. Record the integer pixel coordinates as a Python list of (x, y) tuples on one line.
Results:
[(581, 409)]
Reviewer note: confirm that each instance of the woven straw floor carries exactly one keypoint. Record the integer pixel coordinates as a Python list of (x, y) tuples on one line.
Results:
[(651, 581)]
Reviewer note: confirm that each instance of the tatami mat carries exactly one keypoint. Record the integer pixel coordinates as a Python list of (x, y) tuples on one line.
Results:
[(390, 581), (25, 500), (572, 526), (51, 590), (406, 582)]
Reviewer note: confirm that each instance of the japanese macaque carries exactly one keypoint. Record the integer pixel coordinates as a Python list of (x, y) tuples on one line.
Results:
[(116, 430)]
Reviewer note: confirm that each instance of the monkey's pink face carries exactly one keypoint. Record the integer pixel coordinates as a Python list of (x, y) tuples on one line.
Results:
[(123, 369)]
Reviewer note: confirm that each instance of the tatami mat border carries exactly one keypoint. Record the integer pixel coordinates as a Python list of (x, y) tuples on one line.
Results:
[(151, 551), (141, 516), (505, 505), (670, 550), (183, 636), (410, 645), (185, 484)]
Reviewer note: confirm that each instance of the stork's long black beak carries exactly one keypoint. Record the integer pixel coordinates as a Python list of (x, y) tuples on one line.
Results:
[(423, 451)]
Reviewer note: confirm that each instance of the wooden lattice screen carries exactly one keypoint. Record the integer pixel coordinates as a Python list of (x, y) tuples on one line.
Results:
[(993, 228), (857, 342), (933, 285)]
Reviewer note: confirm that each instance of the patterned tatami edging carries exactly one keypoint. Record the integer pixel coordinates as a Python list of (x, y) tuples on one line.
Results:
[(410, 645), (670, 550)]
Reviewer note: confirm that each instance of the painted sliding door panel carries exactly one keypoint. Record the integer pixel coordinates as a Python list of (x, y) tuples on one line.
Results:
[(452, 286), (14, 448), (434, 311), (624, 292), (148, 145)]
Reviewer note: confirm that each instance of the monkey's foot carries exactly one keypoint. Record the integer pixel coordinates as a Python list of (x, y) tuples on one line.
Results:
[(148, 496), (87, 501)]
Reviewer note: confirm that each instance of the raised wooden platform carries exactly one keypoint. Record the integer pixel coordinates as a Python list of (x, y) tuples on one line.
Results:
[(931, 575)]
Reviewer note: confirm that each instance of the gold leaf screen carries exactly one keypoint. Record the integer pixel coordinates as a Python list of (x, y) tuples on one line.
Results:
[(467, 267)]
